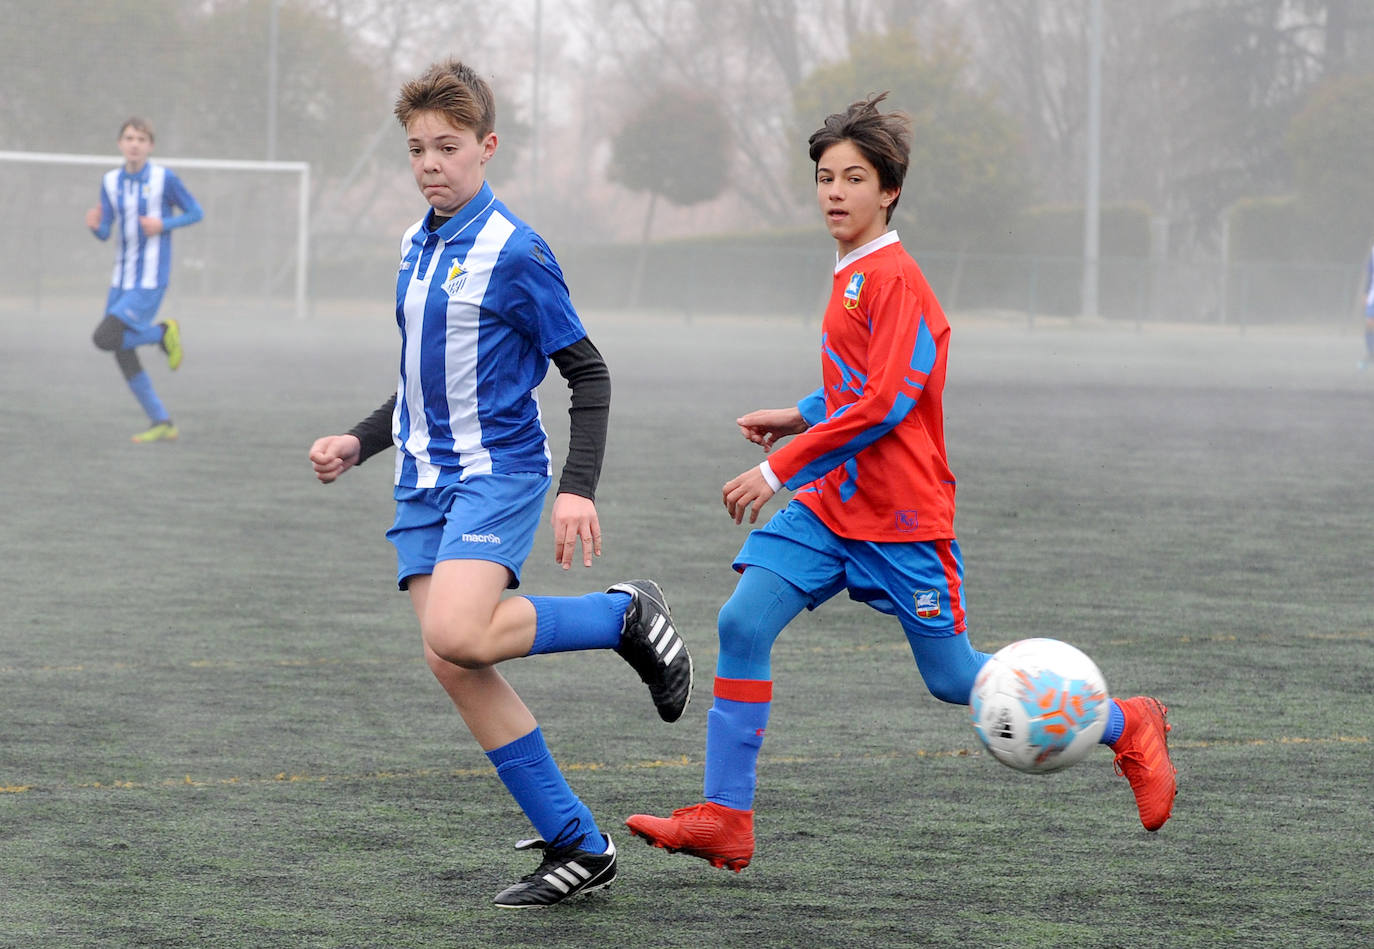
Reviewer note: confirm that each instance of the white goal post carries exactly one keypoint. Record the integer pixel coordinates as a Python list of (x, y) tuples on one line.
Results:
[(299, 168)]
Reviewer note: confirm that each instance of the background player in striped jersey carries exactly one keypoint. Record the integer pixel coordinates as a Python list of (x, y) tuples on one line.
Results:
[(1368, 358), (874, 510), (137, 203), (482, 308)]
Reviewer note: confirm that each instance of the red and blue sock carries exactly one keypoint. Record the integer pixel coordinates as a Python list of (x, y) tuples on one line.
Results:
[(762, 604), (734, 734)]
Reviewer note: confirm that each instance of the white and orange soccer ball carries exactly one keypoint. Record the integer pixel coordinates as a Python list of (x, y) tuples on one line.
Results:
[(1039, 705)]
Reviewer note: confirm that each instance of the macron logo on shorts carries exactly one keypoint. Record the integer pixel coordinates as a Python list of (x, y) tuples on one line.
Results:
[(481, 539)]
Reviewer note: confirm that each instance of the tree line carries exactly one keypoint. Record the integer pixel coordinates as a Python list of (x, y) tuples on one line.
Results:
[(1206, 103)]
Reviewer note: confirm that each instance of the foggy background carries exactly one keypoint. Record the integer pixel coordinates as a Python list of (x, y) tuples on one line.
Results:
[(659, 145)]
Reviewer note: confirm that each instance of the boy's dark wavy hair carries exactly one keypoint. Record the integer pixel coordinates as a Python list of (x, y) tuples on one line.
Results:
[(883, 138)]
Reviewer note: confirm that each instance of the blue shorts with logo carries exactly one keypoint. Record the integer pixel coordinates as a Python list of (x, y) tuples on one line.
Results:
[(488, 517), (921, 582), (134, 308)]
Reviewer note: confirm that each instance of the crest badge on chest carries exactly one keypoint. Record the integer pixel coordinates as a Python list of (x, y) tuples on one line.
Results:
[(457, 276), (851, 292)]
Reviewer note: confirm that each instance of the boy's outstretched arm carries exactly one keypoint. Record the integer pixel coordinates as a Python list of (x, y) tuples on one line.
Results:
[(764, 427), (747, 491), (902, 352), (574, 515), (751, 490), (99, 218), (191, 211), (574, 518), (332, 455)]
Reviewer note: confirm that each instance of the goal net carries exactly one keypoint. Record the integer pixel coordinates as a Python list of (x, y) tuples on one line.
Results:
[(252, 248)]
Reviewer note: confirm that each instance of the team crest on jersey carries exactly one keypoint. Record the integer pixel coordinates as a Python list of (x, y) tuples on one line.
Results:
[(851, 292), (927, 603), (907, 520), (457, 276)]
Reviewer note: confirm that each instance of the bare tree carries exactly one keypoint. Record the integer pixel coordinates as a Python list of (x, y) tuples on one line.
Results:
[(1197, 93)]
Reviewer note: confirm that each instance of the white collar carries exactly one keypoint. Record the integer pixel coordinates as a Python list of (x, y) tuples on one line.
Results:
[(888, 237)]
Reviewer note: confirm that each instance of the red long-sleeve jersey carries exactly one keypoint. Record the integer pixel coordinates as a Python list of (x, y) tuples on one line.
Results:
[(872, 463)]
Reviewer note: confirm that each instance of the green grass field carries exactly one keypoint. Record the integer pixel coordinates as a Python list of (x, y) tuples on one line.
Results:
[(216, 729)]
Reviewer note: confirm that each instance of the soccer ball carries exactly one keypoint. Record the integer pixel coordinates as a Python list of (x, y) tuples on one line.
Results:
[(1038, 705)]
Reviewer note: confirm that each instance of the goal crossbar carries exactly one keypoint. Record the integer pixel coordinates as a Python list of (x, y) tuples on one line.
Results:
[(300, 168)]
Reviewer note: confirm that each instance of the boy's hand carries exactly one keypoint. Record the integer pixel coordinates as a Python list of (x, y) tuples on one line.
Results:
[(93, 218), (151, 226), (332, 455), (749, 490), (765, 426), (574, 518)]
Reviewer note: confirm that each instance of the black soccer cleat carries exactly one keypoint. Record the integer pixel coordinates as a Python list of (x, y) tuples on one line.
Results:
[(565, 871), (653, 648)]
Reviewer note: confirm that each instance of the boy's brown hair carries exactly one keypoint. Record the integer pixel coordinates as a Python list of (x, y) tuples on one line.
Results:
[(884, 139), (138, 125), (454, 90)]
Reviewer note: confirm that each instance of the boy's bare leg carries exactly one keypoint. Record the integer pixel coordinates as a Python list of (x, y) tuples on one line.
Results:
[(492, 710)]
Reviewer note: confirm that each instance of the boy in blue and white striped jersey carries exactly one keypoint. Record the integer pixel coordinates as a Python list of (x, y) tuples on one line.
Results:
[(138, 201), (482, 309), (1368, 359)]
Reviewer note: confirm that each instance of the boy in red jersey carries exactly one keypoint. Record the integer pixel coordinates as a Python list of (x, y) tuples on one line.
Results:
[(873, 513)]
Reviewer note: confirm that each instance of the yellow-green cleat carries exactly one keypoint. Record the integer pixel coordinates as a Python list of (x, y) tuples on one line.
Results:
[(160, 432), (171, 343)]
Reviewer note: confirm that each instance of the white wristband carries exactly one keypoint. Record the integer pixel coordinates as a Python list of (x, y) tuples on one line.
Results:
[(772, 479)]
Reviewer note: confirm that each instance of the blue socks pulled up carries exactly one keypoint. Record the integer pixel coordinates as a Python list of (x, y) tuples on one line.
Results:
[(570, 623), (143, 390), (530, 774)]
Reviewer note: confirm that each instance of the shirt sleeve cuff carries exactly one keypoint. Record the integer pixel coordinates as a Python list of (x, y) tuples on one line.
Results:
[(812, 407), (767, 471)]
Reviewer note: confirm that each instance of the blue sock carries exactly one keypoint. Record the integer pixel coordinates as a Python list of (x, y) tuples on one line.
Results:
[(1369, 342), (734, 735), (143, 390), (569, 623), (142, 336), (530, 774), (1116, 724)]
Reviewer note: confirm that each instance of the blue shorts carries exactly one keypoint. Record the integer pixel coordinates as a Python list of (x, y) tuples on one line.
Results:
[(490, 517), (134, 308), (920, 582)]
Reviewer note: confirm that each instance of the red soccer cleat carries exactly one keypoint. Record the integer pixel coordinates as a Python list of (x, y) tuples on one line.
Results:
[(720, 835), (1142, 755)]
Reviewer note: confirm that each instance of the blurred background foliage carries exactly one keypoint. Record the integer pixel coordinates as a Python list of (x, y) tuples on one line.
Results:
[(1230, 127)]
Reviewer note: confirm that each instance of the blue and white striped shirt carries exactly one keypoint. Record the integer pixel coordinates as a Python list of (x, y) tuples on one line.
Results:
[(1369, 287), (481, 305), (141, 262)]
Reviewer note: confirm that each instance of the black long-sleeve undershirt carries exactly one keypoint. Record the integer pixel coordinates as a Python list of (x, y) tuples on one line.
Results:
[(589, 411)]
